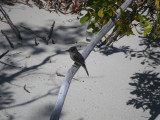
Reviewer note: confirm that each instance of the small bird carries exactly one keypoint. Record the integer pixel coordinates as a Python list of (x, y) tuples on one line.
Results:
[(77, 57)]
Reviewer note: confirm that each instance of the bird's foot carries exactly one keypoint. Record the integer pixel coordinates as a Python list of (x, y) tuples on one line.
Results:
[(75, 64)]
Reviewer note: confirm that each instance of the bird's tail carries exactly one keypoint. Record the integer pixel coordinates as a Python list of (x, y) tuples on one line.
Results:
[(84, 66)]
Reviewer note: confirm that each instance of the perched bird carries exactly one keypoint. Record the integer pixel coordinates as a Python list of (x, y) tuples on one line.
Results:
[(77, 57)]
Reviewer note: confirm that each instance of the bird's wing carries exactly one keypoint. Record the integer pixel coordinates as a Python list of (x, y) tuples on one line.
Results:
[(78, 58)]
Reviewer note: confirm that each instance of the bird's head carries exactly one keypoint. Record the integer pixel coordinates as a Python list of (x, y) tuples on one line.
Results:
[(72, 49)]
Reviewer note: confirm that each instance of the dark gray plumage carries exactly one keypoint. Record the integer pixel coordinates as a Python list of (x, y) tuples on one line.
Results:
[(77, 57)]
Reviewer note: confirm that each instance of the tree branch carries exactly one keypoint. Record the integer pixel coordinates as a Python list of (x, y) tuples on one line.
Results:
[(71, 72)]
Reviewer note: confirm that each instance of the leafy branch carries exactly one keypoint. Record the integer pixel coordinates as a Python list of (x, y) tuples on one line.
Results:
[(98, 14)]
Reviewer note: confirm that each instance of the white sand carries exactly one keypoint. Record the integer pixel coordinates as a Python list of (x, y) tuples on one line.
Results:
[(101, 96)]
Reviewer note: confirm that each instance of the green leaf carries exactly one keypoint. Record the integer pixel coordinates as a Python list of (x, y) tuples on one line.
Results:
[(101, 13), (158, 18), (142, 24), (157, 3), (96, 18), (121, 11), (148, 28), (84, 19), (109, 12), (95, 30), (155, 36), (113, 10), (140, 17), (130, 32), (91, 25)]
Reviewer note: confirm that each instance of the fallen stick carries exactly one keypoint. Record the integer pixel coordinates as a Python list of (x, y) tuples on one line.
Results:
[(50, 32), (35, 41), (14, 28), (26, 89), (32, 32), (10, 65), (58, 74), (3, 54), (10, 43), (1, 19), (53, 41)]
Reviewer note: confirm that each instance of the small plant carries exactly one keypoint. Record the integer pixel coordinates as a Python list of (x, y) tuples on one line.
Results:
[(140, 14)]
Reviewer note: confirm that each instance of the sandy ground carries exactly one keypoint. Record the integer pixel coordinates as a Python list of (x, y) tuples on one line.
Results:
[(113, 82)]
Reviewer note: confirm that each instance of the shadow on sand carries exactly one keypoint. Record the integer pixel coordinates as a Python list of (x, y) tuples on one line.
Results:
[(6, 95), (150, 54), (146, 84), (147, 91)]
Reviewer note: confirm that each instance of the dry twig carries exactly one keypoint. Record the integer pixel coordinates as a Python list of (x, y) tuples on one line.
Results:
[(26, 89), (3, 54), (10, 43), (36, 43), (58, 74), (32, 32), (14, 28), (51, 31), (10, 65)]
